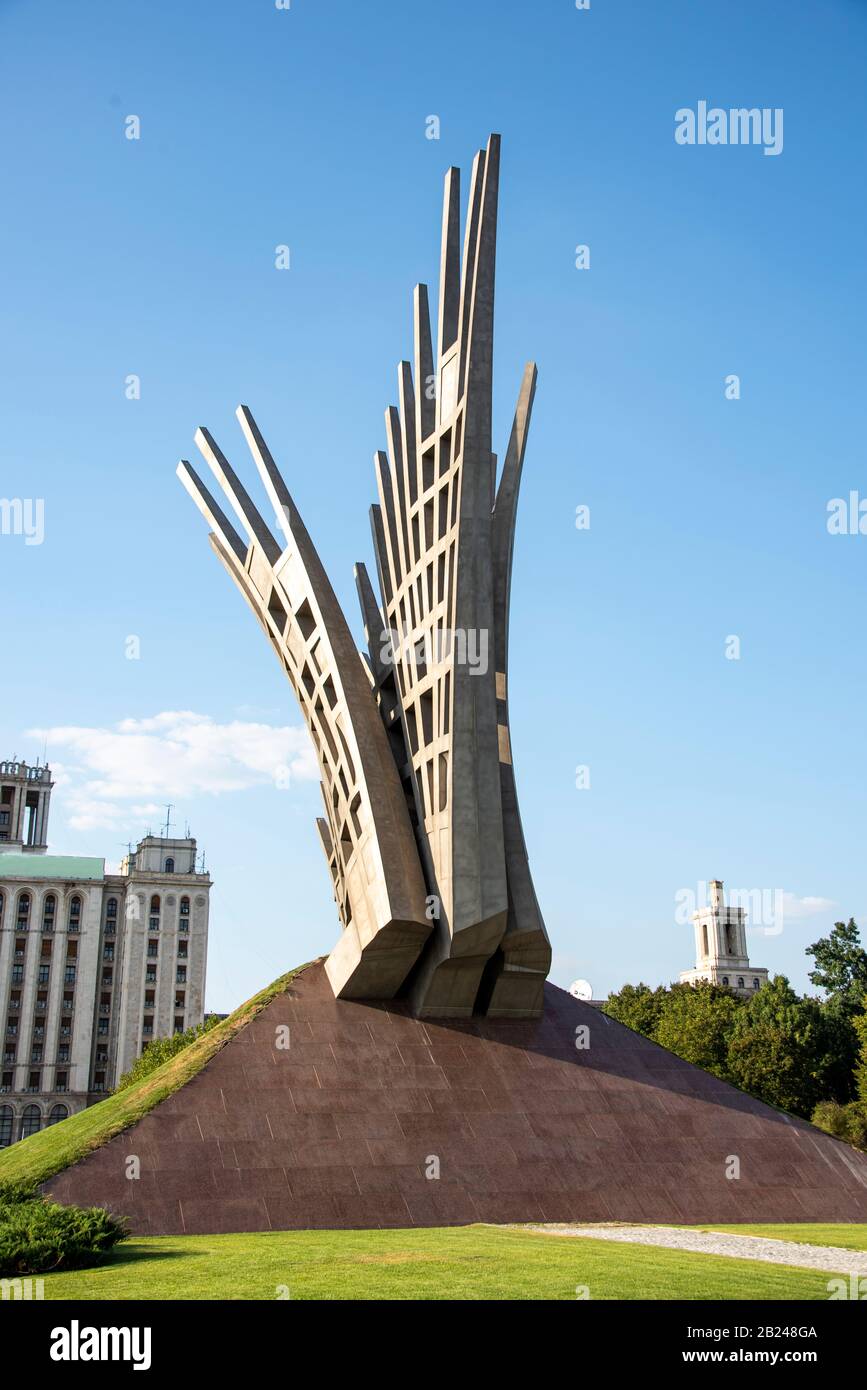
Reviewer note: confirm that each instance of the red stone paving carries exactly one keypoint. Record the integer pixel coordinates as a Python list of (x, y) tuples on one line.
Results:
[(337, 1131)]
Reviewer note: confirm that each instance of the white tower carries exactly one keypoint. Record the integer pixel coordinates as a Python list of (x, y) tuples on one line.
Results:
[(721, 947), (25, 795)]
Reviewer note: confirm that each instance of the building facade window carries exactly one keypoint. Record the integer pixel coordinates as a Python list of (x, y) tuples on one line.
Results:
[(74, 923), (5, 1126), (49, 912), (56, 1114), (170, 866), (31, 1121), (23, 911)]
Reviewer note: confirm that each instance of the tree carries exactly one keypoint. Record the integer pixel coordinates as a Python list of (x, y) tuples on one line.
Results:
[(786, 1050), (638, 1006), (860, 1026), (849, 1122), (841, 966), (695, 1022), (161, 1049)]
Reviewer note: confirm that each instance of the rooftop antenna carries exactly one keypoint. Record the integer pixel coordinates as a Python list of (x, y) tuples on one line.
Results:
[(169, 810)]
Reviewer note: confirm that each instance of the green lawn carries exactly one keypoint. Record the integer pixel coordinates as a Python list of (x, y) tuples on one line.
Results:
[(467, 1262), (848, 1237), (38, 1158)]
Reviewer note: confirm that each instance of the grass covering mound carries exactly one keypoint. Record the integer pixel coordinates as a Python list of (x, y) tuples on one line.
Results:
[(35, 1160)]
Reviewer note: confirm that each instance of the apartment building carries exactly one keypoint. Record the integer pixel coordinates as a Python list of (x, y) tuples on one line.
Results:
[(93, 965)]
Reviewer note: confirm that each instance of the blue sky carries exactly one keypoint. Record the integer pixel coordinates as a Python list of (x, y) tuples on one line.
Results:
[(307, 127)]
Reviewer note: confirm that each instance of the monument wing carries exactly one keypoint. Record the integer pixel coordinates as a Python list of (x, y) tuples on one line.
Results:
[(421, 829)]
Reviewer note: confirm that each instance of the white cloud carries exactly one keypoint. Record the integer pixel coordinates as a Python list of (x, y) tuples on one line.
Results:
[(172, 756), (795, 908)]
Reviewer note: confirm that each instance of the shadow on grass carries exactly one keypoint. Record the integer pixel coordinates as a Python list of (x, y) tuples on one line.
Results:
[(133, 1253)]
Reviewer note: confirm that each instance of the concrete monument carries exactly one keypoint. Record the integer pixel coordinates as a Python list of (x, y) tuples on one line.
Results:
[(421, 829)]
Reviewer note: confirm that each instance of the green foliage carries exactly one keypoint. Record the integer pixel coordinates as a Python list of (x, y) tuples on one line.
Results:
[(789, 1051), (841, 966), (38, 1236), (638, 1006), (847, 1122), (859, 1026), (785, 1049), (161, 1050), (696, 1022)]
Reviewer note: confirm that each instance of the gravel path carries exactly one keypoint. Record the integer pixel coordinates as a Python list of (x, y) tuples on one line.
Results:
[(779, 1252)]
